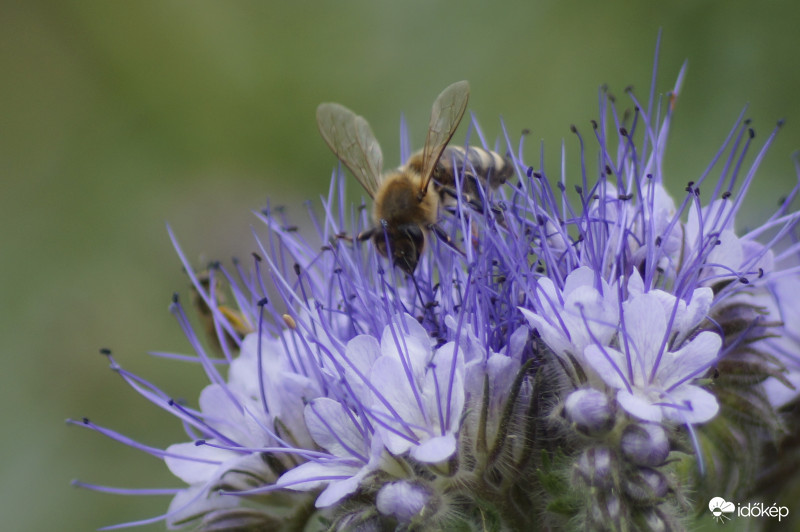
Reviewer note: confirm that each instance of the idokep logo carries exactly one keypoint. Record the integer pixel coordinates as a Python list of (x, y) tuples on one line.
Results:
[(722, 510), (719, 507)]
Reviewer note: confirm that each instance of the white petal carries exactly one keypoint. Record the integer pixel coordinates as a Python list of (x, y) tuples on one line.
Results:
[(698, 405), (443, 388), (691, 360), (639, 407), (193, 503), (645, 324), (608, 363), (435, 450), (555, 338), (311, 475), (362, 351), (391, 386), (583, 276), (406, 339), (337, 491), (332, 428), (201, 463)]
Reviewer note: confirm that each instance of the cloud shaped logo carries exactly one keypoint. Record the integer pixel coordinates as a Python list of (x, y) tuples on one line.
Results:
[(719, 507)]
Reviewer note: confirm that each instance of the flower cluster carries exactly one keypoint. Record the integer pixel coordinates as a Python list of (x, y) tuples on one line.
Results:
[(580, 355)]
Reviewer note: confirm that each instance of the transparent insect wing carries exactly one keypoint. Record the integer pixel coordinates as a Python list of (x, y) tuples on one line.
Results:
[(446, 114), (352, 141)]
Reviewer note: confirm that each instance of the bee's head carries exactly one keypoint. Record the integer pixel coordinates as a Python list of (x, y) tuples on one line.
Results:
[(405, 242)]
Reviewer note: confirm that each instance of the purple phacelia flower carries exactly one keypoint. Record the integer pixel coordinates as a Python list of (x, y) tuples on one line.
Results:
[(574, 335)]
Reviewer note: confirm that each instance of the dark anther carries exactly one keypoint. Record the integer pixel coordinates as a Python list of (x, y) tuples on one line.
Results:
[(175, 297), (296, 269), (579, 189), (561, 186), (697, 191), (86, 421), (625, 197), (540, 219), (744, 280), (726, 194), (105, 351), (290, 228), (629, 89), (537, 175), (526, 131), (325, 248), (198, 443), (658, 241), (760, 273), (594, 124), (573, 128), (337, 271), (609, 171), (649, 176), (623, 132), (752, 133), (529, 171), (256, 256), (263, 302)]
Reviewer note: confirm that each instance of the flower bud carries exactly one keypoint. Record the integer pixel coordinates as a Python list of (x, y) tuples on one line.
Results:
[(589, 410), (646, 485), (402, 500), (603, 511), (645, 444), (594, 467)]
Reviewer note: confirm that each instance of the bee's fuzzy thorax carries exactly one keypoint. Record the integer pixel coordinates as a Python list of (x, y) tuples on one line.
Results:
[(398, 202)]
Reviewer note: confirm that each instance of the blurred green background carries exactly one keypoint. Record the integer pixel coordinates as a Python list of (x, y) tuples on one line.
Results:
[(117, 117)]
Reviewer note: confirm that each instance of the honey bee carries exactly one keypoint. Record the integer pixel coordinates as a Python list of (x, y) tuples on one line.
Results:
[(403, 211)]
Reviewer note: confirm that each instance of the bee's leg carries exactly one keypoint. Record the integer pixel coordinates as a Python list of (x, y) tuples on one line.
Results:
[(475, 203), (444, 237), (464, 197), (366, 235)]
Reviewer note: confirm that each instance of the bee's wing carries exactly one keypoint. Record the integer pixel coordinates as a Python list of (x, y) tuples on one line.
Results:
[(351, 140), (445, 116)]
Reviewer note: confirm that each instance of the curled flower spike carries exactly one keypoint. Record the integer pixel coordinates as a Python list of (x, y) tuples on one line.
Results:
[(590, 352)]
